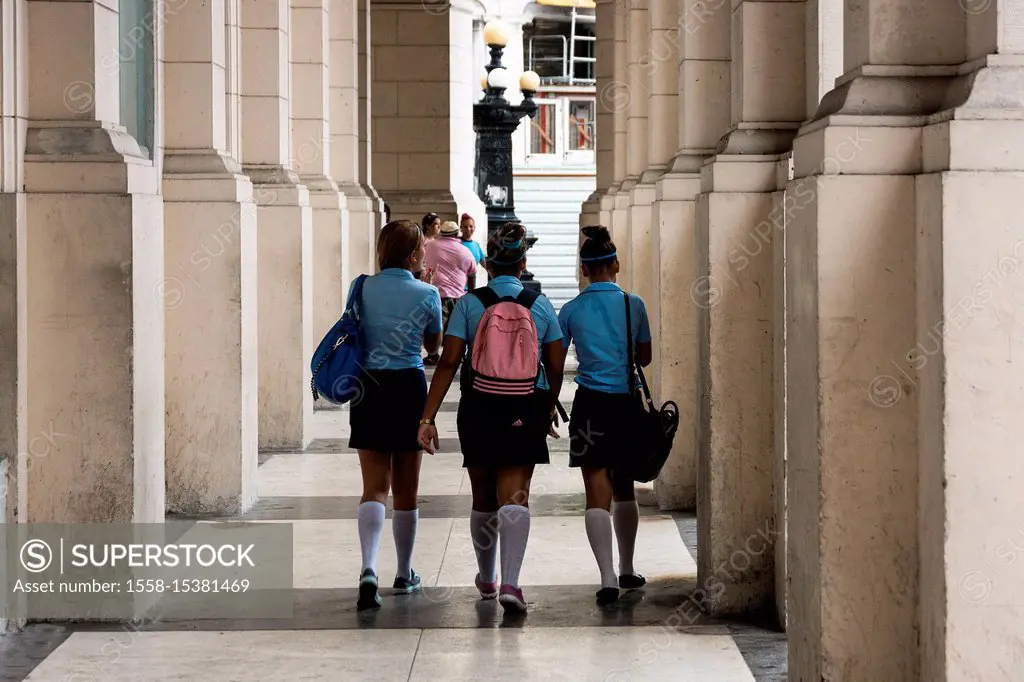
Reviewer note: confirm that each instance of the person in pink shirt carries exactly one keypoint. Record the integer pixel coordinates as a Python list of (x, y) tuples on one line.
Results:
[(452, 269)]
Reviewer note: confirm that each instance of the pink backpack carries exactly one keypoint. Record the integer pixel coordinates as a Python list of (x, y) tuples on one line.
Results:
[(506, 354)]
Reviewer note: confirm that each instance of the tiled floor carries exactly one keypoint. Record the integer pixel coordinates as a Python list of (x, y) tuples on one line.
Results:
[(444, 633)]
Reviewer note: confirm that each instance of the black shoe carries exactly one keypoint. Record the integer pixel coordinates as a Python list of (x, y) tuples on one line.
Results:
[(607, 595), (408, 585), (632, 582), (369, 595)]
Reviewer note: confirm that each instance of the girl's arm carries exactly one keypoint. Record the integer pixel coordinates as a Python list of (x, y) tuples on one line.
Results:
[(553, 358), (644, 353), (444, 372)]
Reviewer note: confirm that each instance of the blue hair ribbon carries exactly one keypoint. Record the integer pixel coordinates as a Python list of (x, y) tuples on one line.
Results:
[(507, 262), (598, 259)]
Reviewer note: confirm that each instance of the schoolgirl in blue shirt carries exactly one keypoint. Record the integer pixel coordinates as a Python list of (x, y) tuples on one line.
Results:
[(600, 445), (503, 424), (398, 316)]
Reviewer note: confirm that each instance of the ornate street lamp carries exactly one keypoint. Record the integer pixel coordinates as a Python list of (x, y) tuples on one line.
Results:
[(494, 121)]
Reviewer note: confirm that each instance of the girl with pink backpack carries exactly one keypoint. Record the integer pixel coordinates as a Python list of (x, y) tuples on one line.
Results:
[(510, 381)]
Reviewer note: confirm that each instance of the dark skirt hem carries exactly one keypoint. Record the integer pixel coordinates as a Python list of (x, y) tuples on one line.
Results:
[(386, 416), (599, 429)]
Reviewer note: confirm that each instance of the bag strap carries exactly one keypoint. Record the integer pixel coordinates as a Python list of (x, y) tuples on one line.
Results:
[(527, 297), (631, 362), (356, 297), (487, 296), (629, 345)]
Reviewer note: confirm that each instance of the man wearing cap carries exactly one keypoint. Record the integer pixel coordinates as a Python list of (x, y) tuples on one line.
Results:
[(452, 269)]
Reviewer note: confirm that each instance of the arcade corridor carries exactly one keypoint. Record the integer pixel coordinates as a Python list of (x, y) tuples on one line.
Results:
[(445, 633)]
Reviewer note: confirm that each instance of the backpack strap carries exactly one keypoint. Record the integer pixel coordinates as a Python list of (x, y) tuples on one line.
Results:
[(487, 296), (527, 297)]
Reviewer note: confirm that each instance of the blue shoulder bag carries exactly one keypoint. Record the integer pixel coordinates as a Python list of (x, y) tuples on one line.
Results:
[(339, 357)]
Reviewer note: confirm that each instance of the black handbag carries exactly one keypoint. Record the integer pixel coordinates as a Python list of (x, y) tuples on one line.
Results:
[(651, 430)]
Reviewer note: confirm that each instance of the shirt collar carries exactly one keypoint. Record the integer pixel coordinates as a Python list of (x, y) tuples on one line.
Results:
[(400, 273), (505, 279), (603, 286)]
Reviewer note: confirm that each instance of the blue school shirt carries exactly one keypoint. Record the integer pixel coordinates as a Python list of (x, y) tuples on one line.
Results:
[(475, 249), (596, 321), (396, 311), (469, 310)]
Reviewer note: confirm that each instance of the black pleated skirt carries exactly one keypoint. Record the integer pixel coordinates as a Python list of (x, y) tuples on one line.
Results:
[(385, 415), (599, 428), (503, 431)]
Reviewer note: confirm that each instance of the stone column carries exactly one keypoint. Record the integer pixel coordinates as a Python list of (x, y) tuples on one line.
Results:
[(644, 124), (734, 293), (970, 519), (823, 26), (421, 111), (366, 125), (662, 138), (81, 253), (211, 286), (464, 83), (639, 183), (969, 362), (612, 98), (702, 116), (358, 243), (861, 224), (284, 238), (620, 95), (591, 212), (783, 175), (311, 151), (13, 121)]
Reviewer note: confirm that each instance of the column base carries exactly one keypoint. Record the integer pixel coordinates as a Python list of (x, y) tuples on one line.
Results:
[(331, 222), (642, 263), (590, 214), (852, 452), (285, 300), (675, 363), (734, 299), (12, 224), (607, 206), (780, 208), (84, 249), (212, 356), (359, 245), (621, 234), (969, 520)]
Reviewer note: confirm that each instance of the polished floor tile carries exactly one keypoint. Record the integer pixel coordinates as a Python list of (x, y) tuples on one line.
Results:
[(327, 553), (559, 553), (583, 654), (338, 475), (314, 656)]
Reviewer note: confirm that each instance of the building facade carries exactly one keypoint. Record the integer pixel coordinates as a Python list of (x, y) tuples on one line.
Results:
[(817, 200)]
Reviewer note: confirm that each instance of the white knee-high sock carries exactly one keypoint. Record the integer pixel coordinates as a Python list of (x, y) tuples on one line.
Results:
[(626, 516), (599, 532), (403, 525), (483, 528), (370, 516), (514, 533)]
